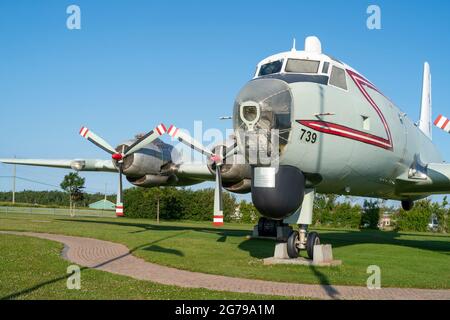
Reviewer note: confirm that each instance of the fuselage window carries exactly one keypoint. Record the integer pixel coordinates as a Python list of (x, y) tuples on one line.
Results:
[(271, 67), (337, 78), (302, 66)]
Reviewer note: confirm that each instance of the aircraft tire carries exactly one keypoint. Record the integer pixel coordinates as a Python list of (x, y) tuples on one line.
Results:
[(312, 240), (292, 248)]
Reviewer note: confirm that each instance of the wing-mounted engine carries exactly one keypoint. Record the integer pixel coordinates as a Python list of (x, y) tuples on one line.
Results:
[(144, 167), (236, 173), (147, 160)]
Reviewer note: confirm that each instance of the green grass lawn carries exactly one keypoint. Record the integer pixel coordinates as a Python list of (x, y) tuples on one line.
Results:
[(406, 259), (32, 268)]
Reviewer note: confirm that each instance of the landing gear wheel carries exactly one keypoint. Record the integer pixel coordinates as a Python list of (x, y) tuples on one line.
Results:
[(292, 245), (312, 240), (261, 222)]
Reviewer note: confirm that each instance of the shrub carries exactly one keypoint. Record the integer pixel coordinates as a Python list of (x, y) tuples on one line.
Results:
[(416, 219)]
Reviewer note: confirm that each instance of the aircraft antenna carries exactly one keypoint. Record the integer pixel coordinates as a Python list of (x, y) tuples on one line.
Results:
[(293, 45)]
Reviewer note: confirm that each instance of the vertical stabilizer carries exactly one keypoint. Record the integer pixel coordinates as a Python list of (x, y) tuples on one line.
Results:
[(425, 110)]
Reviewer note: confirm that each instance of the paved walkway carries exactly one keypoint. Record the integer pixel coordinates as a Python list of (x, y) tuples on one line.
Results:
[(116, 258)]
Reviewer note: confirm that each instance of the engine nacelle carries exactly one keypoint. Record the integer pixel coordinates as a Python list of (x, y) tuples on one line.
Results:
[(146, 161), (241, 187), (235, 169), (150, 180)]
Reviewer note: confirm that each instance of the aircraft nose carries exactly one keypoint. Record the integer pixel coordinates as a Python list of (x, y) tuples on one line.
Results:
[(263, 105)]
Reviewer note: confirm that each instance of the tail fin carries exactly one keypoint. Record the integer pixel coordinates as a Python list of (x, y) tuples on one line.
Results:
[(425, 110)]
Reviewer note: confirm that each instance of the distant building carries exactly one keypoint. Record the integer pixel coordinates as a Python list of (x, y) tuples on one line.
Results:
[(103, 205), (386, 221), (236, 215)]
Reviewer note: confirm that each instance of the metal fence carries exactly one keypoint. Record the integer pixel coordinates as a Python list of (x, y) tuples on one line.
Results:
[(58, 211)]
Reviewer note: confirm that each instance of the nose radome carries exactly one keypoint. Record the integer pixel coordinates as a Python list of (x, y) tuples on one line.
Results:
[(264, 104)]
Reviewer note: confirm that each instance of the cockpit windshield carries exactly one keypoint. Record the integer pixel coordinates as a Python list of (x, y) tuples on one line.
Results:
[(302, 66), (270, 68)]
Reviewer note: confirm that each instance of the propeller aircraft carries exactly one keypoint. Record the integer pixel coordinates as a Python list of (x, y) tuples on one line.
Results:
[(324, 128)]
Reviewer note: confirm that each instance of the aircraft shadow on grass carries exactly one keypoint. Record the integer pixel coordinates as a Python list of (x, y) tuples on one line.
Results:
[(155, 248), (223, 233), (263, 248)]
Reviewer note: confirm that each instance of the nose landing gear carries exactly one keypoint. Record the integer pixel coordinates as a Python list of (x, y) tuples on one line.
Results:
[(302, 239)]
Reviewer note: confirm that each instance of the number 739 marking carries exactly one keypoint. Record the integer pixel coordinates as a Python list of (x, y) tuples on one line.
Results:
[(308, 136)]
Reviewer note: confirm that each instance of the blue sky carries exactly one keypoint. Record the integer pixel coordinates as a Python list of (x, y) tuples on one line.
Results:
[(137, 63)]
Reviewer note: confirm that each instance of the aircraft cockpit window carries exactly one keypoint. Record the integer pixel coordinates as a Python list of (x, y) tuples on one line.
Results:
[(271, 67), (326, 66), (337, 78), (302, 66)]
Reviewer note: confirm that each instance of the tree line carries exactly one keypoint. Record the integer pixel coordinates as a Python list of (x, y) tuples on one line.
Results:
[(187, 204), (50, 198)]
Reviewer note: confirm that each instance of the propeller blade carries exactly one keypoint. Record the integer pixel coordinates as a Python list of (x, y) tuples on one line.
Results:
[(234, 150), (218, 203), (119, 201), (147, 139), (442, 123), (95, 139), (216, 158), (188, 140)]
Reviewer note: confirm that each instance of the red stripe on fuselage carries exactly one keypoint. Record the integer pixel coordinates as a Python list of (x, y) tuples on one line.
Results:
[(346, 132), (360, 82)]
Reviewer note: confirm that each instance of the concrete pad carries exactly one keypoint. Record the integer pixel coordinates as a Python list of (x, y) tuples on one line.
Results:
[(301, 262), (323, 257), (323, 253), (281, 251)]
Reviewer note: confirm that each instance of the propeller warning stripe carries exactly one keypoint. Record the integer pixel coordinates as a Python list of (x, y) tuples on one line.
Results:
[(438, 119), (161, 129), (84, 131), (146, 139), (443, 123)]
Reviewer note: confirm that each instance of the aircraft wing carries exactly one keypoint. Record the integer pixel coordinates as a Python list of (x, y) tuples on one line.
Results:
[(435, 180), (197, 171), (78, 164)]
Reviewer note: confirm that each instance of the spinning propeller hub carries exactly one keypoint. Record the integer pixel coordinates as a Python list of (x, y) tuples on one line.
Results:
[(117, 156), (215, 158)]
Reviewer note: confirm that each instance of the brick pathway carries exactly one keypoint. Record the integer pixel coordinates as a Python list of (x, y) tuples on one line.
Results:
[(116, 258)]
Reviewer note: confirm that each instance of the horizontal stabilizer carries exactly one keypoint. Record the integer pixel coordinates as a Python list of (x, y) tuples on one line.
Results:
[(436, 180)]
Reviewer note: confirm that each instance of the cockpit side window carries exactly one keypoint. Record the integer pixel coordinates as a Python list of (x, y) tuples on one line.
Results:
[(302, 66), (338, 78), (271, 67)]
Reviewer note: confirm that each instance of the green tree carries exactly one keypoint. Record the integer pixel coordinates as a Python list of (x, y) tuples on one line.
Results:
[(370, 214), (418, 218), (74, 185), (249, 214)]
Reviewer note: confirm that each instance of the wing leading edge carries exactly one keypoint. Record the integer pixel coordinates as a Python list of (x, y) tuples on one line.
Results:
[(78, 164)]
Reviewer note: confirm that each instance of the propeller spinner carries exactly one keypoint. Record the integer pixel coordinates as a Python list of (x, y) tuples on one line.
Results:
[(119, 156)]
